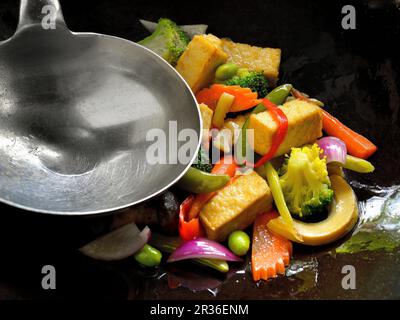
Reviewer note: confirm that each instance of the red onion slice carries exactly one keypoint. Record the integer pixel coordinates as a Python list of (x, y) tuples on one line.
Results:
[(202, 248), (334, 149)]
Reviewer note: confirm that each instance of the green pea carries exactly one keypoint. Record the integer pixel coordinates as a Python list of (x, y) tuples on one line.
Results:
[(148, 256), (226, 71), (239, 242)]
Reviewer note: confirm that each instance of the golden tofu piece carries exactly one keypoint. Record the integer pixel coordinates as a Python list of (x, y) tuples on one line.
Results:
[(230, 131), (236, 206), (206, 116), (198, 62), (254, 58), (304, 126)]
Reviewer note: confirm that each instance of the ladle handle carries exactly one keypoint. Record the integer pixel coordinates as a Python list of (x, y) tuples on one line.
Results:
[(45, 12)]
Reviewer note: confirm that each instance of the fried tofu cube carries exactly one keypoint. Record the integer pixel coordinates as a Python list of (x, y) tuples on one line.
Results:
[(304, 126), (236, 206), (254, 58), (206, 116), (199, 61)]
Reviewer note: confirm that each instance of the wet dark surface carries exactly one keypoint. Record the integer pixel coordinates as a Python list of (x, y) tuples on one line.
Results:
[(355, 72)]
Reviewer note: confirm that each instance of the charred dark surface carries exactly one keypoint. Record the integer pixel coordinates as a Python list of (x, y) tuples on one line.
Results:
[(355, 72)]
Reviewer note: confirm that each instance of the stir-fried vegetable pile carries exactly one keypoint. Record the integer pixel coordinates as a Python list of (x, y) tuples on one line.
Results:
[(295, 175)]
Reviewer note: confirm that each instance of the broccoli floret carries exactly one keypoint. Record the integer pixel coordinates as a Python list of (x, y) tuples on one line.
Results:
[(168, 41), (202, 161), (305, 182), (255, 80)]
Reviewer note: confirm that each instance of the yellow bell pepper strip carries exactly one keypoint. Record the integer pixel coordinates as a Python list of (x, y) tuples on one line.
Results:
[(358, 165), (270, 252), (279, 199), (197, 181), (223, 106)]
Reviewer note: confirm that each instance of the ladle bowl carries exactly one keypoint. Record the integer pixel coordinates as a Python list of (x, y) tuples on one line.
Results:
[(76, 110)]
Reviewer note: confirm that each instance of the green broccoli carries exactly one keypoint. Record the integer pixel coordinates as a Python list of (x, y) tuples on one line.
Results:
[(168, 41), (255, 80), (305, 182), (202, 161)]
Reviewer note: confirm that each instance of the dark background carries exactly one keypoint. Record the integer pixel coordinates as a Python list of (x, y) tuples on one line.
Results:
[(356, 72)]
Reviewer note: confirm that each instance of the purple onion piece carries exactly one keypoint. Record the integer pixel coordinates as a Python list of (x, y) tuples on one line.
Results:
[(334, 149), (202, 248)]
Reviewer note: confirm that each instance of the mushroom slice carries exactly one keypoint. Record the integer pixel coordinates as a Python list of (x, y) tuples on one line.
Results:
[(341, 219)]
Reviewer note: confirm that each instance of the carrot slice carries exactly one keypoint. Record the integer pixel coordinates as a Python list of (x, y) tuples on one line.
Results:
[(244, 97), (270, 252), (225, 165)]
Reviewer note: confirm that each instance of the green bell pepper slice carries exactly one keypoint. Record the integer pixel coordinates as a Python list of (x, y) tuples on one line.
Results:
[(197, 181)]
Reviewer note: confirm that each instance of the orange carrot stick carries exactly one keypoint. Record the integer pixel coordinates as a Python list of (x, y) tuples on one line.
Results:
[(244, 97), (356, 144), (270, 252)]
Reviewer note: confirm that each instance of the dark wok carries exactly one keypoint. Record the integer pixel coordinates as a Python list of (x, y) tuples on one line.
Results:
[(355, 72)]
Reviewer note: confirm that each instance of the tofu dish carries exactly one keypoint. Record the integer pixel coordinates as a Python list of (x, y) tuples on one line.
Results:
[(270, 172)]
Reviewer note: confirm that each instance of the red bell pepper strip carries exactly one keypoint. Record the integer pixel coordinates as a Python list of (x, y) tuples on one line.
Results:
[(281, 120), (188, 229), (244, 97), (226, 166), (357, 145)]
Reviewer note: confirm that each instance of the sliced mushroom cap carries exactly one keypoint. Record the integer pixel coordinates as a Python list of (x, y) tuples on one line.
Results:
[(341, 219)]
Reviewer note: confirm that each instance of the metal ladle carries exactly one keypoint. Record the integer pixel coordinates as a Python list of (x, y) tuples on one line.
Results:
[(75, 109)]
